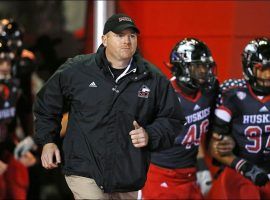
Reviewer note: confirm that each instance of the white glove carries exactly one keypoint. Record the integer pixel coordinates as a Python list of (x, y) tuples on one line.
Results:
[(24, 146), (204, 180)]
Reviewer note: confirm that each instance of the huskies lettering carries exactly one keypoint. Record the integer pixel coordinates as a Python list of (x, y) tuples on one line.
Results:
[(254, 119), (198, 116), (7, 113)]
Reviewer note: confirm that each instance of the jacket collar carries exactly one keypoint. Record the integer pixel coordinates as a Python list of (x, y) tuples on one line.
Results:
[(137, 64)]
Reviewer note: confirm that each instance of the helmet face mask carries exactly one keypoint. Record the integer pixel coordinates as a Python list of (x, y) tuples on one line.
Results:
[(5, 51), (5, 69), (193, 65), (6, 57), (262, 75), (256, 65), (200, 73)]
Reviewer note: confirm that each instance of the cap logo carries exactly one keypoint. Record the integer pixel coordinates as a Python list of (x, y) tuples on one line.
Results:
[(124, 19)]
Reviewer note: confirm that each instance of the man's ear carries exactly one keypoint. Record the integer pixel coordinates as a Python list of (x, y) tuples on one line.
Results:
[(104, 40)]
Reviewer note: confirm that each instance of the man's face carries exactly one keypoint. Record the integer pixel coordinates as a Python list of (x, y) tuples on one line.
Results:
[(263, 75), (199, 73), (121, 46)]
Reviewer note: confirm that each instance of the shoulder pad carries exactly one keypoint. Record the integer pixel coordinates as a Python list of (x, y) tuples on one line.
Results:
[(232, 84)]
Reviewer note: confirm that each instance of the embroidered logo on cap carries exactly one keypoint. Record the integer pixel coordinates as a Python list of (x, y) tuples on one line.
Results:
[(124, 19)]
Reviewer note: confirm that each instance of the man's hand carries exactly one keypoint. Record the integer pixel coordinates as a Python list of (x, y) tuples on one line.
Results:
[(24, 146), (223, 145), (139, 136), (49, 152), (3, 167)]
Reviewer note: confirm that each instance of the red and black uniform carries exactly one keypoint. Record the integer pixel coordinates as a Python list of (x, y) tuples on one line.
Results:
[(14, 181), (172, 173), (246, 117)]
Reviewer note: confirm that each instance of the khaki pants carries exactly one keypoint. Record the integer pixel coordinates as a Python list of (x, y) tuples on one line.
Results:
[(86, 188)]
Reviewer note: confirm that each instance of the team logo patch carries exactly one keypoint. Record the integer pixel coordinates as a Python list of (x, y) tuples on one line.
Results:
[(144, 92), (241, 95), (5, 94)]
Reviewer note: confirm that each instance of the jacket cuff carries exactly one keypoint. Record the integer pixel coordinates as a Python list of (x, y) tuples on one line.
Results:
[(42, 141), (153, 140)]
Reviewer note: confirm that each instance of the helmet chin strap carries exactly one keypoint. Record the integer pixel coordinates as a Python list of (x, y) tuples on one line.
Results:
[(186, 88), (259, 89)]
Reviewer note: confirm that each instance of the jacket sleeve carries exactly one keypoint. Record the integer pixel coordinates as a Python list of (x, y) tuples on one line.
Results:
[(169, 119), (48, 109)]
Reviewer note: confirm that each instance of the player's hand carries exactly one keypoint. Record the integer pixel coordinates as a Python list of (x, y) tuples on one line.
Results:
[(3, 167), (50, 156), (258, 176), (223, 145), (28, 159), (24, 146), (204, 180), (139, 136)]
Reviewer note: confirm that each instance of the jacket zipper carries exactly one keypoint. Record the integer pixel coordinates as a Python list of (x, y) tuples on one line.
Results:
[(116, 81), (134, 70)]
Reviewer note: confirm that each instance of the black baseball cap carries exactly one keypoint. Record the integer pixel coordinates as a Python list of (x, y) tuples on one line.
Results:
[(119, 22)]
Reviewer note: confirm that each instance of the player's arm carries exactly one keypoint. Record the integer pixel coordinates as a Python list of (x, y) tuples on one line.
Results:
[(220, 145)]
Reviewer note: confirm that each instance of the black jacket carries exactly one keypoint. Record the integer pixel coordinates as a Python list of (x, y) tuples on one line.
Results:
[(97, 143)]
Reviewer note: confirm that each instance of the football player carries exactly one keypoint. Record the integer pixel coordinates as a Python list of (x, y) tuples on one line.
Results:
[(244, 114), (172, 172), (13, 173), (22, 68)]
